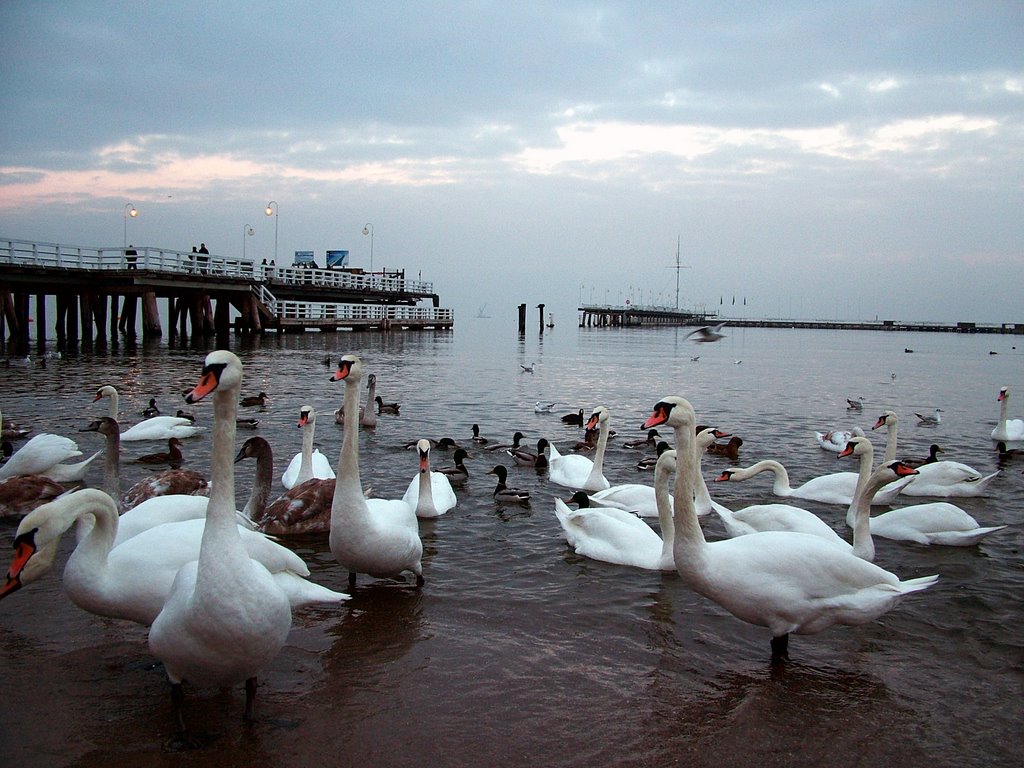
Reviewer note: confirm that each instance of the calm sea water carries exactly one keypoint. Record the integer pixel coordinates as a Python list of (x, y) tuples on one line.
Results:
[(517, 652)]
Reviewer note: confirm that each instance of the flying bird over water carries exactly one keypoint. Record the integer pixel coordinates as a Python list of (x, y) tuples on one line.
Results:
[(707, 333)]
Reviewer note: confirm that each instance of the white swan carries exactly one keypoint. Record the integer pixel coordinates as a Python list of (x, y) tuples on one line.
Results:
[(1008, 430), (615, 536), (40, 455), (367, 412), (575, 471), (939, 478), (834, 488), (373, 536), (787, 582), (155, 428), (226, 616), (429, 493), (309, 462), (936, 523), (835, 440)]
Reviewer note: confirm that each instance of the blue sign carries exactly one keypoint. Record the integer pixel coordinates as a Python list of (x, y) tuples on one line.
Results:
[(337, 258), (303, 257)]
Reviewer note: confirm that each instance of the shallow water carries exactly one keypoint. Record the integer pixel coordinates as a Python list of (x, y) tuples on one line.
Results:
[(517, 651)]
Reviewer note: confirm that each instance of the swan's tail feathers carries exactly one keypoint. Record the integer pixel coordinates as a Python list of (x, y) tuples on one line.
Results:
[(916, 585), (983, 482), (963, 538)]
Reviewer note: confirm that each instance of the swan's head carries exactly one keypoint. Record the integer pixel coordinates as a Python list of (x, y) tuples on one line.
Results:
[(423, 449), (306, 415), (707, 436), (857, 446), (39, 532), (350, 368), (222, 369), (887, 419), (1004, 394), (598, 416), (726, 475), (893, 471), (672, 411), (105, 425), (104, 391), (253, 448)]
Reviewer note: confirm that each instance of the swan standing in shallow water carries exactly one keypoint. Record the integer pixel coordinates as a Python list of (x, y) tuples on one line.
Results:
[(619, 537), (939, 478), (155, 428), (578, 471), (226, 616), (787, 582), (1007, 430), (936, 523), (371, 536), (429, 493), (309, 462)]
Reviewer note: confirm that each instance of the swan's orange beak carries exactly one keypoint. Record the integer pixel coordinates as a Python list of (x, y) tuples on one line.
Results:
[(24, 548), (659, 416), (303, 419), (344, 368), (424, 461), (880, 422), (207, 383), (98, 396), (725, 476), (719, 434), (903, 470), (592, 422), (847, 451)]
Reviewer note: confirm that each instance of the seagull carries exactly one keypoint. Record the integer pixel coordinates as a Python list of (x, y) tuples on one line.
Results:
[(527, 368), (930, 420), (542, 407), (855, 405), (707, 333), (695, 358)]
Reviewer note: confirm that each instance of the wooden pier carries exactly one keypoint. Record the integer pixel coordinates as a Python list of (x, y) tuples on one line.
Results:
[(100, 290), (634, 316)]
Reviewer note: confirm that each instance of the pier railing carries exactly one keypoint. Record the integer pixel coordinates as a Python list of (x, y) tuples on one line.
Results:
[(328, 312), (29, 253)]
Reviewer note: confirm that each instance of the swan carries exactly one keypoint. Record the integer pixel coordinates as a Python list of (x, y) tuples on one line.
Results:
[(619, 537), (39, 455), (939, 478), (430, 494), (307, 463), (226, 616), (155, 428), (1008, 430), (834, 488), (177, 484), (304, 508), (835, 440), (367, 412), (788, 582), (371, 536), (936, 523), (21, 494), (579, 471), (502, 493)]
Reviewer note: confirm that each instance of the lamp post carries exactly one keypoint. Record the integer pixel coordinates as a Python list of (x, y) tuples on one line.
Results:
[(273, 210), (129, 210), (247, 230), (368, 230)]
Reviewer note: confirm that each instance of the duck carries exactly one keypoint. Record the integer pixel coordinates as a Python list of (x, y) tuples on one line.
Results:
[(1008, 430), (243, 423), (1005, 453), (935, 523), (226, 616), (457, 474), (12, 431), (644, 442), (588, 443), (183, 414), (503, 494), (382, 407), (367, 412), (932, 457), (152, 410), (517, 438), (578, 471), (309, 462), (20, 494), (790, 583), (45, 454), (172, 456), (731, 449), (441, 444), (155, 428), (834, 488), (619, 537), (525, 458), (172, 483), (929, 419), (302, 509), (574, 419), (429, 493), (371, 536), (478, 439), (647, 463), (941, 478), (255, 401)]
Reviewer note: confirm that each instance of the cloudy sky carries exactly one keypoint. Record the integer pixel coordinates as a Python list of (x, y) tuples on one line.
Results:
[(814, 159)]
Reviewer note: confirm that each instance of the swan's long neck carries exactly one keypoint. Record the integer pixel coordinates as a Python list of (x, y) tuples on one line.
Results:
[(112, 466), (688, 536), (602, 442), (1004, 411), (780, 486), (425, 501), (348, 461), (858, 516), (661, 498), (221, 525), (114, 403), (890, 444), (306, 463), (89, 558), (261, 485)]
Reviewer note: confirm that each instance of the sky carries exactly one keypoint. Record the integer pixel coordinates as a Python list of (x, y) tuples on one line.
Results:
[(826, 160)]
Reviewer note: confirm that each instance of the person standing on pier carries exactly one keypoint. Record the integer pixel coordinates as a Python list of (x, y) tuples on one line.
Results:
[(203, 260)]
